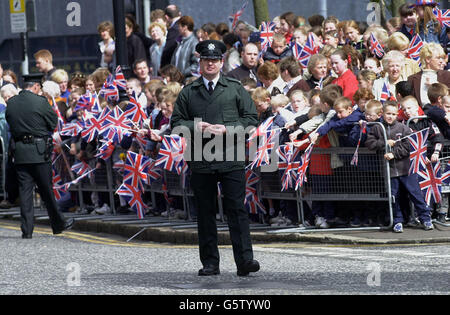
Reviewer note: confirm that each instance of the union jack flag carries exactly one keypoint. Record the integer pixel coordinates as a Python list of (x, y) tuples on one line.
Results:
[(418, 154), (262, 128), (234, 18), (116, 125), (430, 182), (262, 154), (135, 170), (171, 154), (94, 126), (109, 91), (72, 129), (134, 111), (386, 94), (375, 47), (354, 160), (302, 169), (132, 196), (119, 166), (297, 50), (442, 16), (445, 178), (414, 48), (106, 150), (266, 34), (311, 47), (58, 187), (86, 101), (119, 79), (287, 164), (252, 202), (81, 168), (153, 173)]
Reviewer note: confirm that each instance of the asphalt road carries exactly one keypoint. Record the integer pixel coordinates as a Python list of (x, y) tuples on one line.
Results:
[(79, 264)]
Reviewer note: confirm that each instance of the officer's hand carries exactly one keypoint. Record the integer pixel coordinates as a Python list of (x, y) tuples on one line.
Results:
[(201, 126), (216, 129)]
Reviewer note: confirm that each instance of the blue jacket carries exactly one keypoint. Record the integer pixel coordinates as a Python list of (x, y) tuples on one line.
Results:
[(343, 126)]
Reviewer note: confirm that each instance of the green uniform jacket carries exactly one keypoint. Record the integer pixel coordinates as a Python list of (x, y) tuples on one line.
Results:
[(230, 105), (30, 114)]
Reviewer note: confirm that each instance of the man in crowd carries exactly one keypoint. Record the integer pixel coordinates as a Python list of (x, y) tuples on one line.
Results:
[(184, 57), (44, 63), (142, 71), (172, 14), (249, 57)]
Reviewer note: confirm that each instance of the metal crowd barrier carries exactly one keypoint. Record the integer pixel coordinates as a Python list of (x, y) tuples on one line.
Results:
[(369, 181), (445, 157)]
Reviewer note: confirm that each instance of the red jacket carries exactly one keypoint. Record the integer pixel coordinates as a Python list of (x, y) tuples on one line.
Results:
[(348, 83)]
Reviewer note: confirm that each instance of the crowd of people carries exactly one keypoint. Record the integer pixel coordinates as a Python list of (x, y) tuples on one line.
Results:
[(344, 84)]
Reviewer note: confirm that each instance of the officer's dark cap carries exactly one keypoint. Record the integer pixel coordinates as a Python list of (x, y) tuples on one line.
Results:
[(33, 78), (211, 49)]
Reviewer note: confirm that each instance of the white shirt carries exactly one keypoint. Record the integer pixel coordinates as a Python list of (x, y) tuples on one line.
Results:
[(428, 77), (290, 84), (214, 81)]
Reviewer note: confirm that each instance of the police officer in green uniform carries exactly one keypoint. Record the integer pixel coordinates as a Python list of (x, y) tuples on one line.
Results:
[(32, 121), (220, 103)]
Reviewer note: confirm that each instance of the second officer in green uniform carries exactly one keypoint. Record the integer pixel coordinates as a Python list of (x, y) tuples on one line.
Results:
[(32, 121)]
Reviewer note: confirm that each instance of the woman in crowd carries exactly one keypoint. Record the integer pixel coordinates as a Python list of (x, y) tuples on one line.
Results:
[(433, 60), (158, 33), (318, 70), (106, 32), (392, 64)]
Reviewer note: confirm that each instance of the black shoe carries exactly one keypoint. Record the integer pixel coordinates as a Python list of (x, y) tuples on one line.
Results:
[(247, 267), (209, 271), (27, 236), (67, 226)]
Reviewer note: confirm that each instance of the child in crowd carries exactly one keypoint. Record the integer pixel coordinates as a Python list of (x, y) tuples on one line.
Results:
[(341, 63), (278, 50), (362, 97), (90, 84), (331, 38), (428, 26), (299, 102), (314, 97), (411, 107), (342, 122), (366, 79), (408, 16), (374, 65), (278, 104), (353, 36), (300, 35), (436, 93), (133, 85), (149, 90), (398, 157)]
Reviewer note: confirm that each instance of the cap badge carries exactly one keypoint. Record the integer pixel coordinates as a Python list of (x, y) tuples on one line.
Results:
[(211, 47)]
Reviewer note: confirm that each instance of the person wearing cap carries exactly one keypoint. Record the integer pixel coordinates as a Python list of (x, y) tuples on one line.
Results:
[(32, 121), (428, 26), (212, 105)]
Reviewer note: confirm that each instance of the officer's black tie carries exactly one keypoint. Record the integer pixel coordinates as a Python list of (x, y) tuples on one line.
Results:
[(210, 87)]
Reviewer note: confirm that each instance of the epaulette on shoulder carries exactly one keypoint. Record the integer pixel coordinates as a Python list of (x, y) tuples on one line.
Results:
[(233, 80)]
